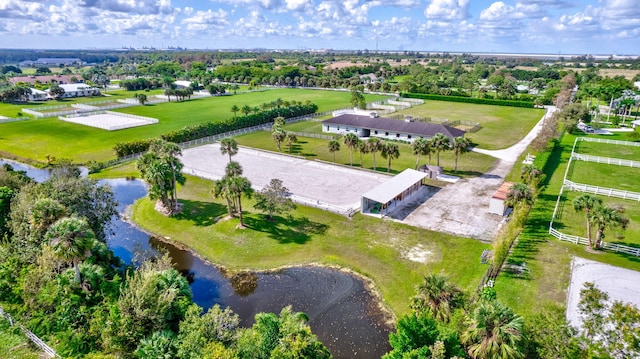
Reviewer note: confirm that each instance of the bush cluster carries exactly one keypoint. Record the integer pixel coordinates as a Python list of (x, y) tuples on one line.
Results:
[(210, 128), (481, 101)]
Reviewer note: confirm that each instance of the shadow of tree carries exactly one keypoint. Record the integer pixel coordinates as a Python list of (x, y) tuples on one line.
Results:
[(201, 213), (293, 230)]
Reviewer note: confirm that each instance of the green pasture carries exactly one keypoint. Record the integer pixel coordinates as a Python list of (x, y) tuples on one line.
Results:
[(470, 164), (569, 221), (35, 139), (369, 246), (548, 259), (622, 152), (502, 126), (14, 345), (605, 175)]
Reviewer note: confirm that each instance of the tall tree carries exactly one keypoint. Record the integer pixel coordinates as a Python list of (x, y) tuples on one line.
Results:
[(238, 187), (421, 146), (440, 143), (363, 149), (351, 141), (587, 202), (603, 217), (229, 146), (235, 110), (290, 139), (71, 239), (278, 135), (373, 146), (437, 296), (390, 150), (161, 168), (334, 146), (493, 331), (519, 193), (459, 145)]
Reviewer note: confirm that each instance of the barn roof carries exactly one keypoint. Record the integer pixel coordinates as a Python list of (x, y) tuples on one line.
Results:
[(501, 193), (425, 129), (396, 185)]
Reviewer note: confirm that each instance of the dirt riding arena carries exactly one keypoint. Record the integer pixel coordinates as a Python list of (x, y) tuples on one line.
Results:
[(318, 184), (619, 283)]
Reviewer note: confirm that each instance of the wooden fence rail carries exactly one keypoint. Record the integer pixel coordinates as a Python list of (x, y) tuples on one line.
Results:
[(29, 334)]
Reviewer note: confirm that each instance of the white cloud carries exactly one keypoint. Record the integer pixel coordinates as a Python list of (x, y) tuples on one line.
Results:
[(206, 20), (447, 10)]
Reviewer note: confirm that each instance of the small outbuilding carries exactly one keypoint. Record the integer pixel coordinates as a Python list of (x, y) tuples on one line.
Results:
[(432, 171), (389, 195), (496, 204)]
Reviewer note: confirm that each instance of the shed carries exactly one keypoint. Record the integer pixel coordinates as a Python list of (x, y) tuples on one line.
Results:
[(432, 171), (496, 204), (389, 195)]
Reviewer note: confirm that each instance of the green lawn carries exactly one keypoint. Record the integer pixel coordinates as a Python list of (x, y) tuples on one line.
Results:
[(470, 164), (571, 222), (13, 344), (35, 139), (609, 150), (502, 126), (547, 258), (604, 175), (366, 245)]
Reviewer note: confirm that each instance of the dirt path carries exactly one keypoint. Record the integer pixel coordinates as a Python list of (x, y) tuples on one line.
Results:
[(462, 208)]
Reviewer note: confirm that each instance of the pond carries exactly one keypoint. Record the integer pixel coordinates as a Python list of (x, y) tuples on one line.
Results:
[(342, 312)]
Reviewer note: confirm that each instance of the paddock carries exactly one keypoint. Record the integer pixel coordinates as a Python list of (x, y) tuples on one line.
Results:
[(108, 120), (331, 187)]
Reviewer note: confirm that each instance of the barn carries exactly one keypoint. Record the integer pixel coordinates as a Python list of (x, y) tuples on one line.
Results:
[(386, 197), (496, 204)]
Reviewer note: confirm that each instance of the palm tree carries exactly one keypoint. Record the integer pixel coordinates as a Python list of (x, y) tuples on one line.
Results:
[(420, 146), (362, 149), (161, 168), (459, 145), (238, 187), (351, 141), (71, 239), (390, 151), (493, 331), (246, 109), (586, 202), (235, 110), (334, 146), (603, 216), (440, 143), (374, 145), (278, 135), (229, 146), (290, 139), (233, 169), (518, 193), (221, 189), (438, 296), (531, 175)]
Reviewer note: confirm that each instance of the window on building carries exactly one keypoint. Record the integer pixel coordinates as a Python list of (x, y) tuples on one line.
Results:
[(397, 135), (409, 136), (386, 133), (375, 132)]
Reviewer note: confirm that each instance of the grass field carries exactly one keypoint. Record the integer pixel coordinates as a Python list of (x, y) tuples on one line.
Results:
[(605, 175), (547, 258), (502, 126), (35, 139), (470, 164), (608, 150), (13, 344), (367, 245)]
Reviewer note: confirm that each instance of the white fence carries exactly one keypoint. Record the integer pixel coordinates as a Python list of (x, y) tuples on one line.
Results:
[(609, 192), (611, 142), (34, 338), (607, 160), (6, 120), (584, 241)]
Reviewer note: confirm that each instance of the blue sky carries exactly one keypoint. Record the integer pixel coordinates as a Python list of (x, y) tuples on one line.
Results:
[(521, 26)]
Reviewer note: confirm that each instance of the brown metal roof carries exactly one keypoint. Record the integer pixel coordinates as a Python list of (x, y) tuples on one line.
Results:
[(501, 193), (425, 129)]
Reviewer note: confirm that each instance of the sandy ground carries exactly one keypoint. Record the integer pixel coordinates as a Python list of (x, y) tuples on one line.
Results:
[(110, 122), (621, 284), (462, 208), (335, 188)]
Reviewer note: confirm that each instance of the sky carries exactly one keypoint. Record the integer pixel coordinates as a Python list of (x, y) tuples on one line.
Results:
[(508, 26)]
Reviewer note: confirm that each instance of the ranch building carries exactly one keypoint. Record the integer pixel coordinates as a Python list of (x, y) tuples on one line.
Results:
[(496, 204), (386, 128), (79, 90), (383, 199)]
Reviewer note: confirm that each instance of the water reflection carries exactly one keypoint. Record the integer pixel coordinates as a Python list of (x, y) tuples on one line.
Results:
[(341, 311)]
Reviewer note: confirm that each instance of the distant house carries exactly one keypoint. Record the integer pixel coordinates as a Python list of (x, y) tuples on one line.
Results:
[(60, 79), (370, 78), (78, 90), (496, 204), (38, 95), (182, 84), (52, 61), (386, 128)]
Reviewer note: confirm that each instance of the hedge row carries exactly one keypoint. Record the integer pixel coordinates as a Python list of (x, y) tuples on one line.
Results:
[(481, 101), (210, 129)]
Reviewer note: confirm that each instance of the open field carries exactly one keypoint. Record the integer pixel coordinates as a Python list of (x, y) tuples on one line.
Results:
[(36, 139), (548, 259), (605, 175), (502, 126), (608, 150), (369, 246), (470, 164), (13, 344)]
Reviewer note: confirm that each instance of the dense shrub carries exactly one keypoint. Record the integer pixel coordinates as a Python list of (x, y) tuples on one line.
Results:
[(480, 101)]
